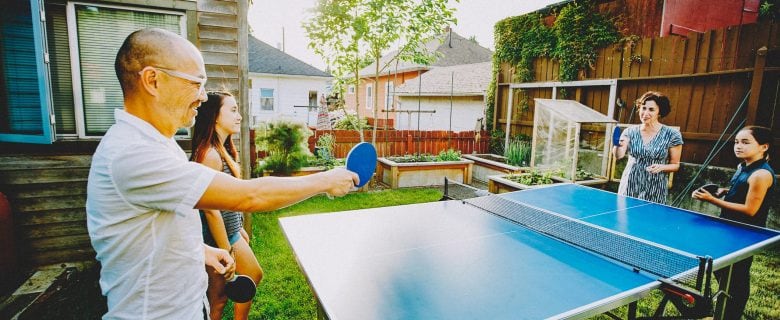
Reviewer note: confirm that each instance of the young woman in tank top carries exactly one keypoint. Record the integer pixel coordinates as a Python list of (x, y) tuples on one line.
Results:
[(217, 120)]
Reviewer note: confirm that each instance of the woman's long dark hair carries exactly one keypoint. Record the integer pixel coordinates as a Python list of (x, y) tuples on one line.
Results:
[(204, 135)]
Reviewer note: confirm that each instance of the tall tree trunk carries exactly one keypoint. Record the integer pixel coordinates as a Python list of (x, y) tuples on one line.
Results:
[(357, 101), (376, 98)]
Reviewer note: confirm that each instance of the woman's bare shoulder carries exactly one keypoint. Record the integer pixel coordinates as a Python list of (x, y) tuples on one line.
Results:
[(212, 159)]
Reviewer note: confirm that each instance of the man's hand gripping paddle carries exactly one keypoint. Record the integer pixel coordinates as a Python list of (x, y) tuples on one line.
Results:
[(362, 160)]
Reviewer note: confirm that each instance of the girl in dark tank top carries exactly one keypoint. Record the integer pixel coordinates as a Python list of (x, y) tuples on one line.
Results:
[(747, 200)]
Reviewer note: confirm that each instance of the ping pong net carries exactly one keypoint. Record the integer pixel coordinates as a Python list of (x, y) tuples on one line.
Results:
[(457, 191), (639, 254), (678, 271)]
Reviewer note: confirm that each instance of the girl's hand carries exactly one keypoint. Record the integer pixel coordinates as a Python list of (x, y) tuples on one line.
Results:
[(655, 168), (701, 194)]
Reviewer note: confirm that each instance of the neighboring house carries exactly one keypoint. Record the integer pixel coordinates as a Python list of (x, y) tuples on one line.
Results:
[(58, 92), (455, 94), (454, 50), (283, 87)]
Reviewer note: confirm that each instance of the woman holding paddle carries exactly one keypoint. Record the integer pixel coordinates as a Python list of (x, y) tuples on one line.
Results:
[(653, 151), (747, 201), (217, 120)]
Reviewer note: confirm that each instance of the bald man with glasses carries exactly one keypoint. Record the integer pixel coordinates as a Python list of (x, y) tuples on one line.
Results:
[(142, 193)]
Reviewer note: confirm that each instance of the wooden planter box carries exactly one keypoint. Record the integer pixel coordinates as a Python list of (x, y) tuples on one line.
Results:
[(420, 174), (486, 164), (498, 184)]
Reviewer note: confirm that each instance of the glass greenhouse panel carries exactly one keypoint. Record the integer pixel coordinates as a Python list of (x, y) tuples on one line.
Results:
[(571, 140)]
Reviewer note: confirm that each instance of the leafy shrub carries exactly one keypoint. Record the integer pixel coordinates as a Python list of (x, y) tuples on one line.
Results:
[(448, 155), (413, 158), (328, 163), (285, 143), (580, 174), (518, 153), (351, 122), (496, 143), (531, 178), (324, 146)]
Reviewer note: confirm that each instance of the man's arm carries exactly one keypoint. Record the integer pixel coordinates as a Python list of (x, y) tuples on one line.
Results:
[(270, 193)]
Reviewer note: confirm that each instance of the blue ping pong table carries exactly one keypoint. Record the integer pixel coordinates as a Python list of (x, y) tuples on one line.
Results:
[(455, 260)]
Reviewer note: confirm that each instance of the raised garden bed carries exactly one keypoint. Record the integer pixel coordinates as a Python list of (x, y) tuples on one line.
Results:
[(419, 174), (487, 164), (513, 182)]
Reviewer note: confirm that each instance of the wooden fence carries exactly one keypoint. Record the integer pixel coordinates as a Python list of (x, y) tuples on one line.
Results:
[(400, 142), (706, 77)]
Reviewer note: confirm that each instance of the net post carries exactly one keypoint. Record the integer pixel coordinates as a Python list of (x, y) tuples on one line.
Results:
[(446, 188)]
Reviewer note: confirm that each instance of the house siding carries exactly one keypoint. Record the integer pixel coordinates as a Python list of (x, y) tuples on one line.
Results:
[(289, 91), (465, 113), (397, 80), (45, 184)]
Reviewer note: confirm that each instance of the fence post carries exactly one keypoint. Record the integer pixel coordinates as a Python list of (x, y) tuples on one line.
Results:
[(755, 88), (409, 143)]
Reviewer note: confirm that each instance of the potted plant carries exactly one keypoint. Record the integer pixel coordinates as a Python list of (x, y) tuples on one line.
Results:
[(424, 169), (285, 144)]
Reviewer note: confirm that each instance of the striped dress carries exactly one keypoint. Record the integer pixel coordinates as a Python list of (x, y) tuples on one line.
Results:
[(636, 181)]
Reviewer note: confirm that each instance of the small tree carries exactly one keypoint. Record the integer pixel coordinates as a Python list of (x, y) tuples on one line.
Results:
[(286, 145), (344, 32)]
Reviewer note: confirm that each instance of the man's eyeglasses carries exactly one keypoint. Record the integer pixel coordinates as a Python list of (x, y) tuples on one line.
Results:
[(201, 82)]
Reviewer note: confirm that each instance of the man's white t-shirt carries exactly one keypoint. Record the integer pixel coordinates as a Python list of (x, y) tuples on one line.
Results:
[(140, 198)]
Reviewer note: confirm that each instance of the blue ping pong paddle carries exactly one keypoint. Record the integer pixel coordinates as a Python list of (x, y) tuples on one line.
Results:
[(240, 289), (616, 136), (362, 160)]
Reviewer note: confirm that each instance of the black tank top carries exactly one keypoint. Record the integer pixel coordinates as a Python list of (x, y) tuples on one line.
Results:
[(739, 190)]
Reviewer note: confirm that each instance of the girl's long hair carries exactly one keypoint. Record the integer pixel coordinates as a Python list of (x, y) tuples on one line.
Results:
[(204, 135)]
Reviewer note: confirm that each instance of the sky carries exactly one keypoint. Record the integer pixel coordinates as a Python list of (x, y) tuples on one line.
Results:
[(267, 19)]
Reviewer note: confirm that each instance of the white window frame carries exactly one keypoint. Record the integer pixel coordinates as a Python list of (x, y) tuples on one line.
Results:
[(369, 97), (260, 99), (75, 59), (351, 89), (316, 98)]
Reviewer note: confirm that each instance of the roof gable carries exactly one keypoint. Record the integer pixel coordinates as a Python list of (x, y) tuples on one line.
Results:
[(264, 58), (469, 80), (455, 50)]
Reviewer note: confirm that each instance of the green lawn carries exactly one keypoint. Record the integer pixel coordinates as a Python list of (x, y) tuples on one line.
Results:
[(284, 292)]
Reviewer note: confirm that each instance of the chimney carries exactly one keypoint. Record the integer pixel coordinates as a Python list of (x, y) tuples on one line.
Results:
[(448, 30)]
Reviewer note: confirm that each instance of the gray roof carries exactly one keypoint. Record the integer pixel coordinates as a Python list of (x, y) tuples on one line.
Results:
[(455, 50), (469, 80), (264, 58)]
